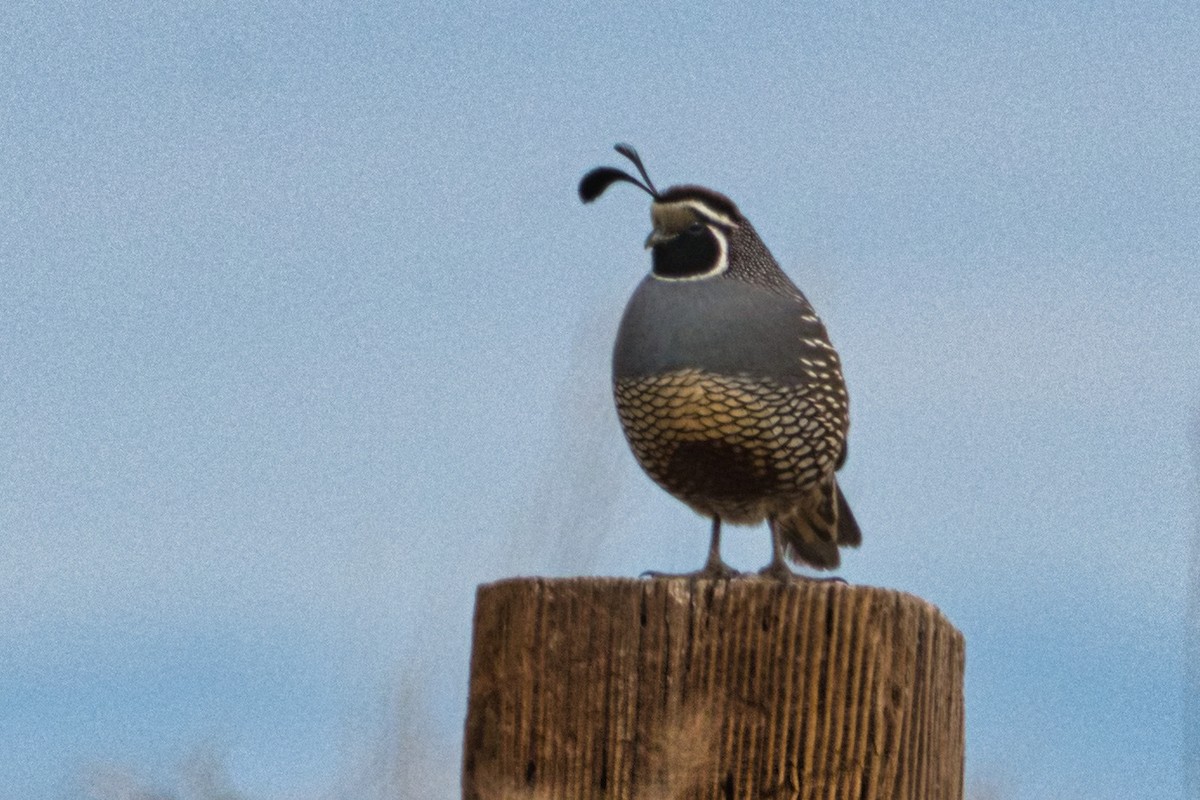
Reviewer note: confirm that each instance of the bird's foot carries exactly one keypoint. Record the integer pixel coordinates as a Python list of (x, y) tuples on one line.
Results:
[(779, 571), (709, 572)]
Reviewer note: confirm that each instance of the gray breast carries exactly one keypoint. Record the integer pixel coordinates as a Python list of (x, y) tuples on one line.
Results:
[(719, 325)]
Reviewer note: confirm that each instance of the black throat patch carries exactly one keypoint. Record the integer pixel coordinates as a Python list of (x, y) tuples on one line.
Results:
[(694, 252)]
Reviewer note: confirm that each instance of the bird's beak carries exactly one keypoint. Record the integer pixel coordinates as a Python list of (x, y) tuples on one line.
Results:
[(656, 238)]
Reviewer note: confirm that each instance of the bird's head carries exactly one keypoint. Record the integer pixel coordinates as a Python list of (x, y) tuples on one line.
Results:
[(692, 225)]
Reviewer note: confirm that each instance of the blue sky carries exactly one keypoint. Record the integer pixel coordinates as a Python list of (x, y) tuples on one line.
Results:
[(304, 333)]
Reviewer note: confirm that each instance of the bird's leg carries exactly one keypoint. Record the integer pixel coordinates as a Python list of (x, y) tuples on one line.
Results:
[(778, 568), (714, 568)]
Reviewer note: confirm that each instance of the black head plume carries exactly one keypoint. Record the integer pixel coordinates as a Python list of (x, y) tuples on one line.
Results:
[(598, 180)]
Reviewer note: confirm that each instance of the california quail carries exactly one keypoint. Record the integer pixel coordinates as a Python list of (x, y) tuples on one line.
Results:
[(728, 390)]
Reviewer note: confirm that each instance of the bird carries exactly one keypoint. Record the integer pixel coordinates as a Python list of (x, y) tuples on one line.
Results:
[(727, 387)]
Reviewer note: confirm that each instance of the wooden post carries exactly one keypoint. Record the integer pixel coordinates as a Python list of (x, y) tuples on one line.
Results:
[(666, 689)]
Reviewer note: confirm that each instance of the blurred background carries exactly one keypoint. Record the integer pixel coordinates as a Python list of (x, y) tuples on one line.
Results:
[(304, 333)]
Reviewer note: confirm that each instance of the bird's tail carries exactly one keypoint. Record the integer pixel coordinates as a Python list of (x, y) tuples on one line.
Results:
[(812, 533)]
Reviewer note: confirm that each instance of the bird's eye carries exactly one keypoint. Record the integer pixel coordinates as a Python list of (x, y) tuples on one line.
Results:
[(695, 228)]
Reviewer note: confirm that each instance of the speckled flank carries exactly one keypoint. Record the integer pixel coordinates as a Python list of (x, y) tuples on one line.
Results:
[(734, 446)]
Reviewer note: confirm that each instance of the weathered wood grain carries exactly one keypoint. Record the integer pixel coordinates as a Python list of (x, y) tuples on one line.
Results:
[(667, 689)]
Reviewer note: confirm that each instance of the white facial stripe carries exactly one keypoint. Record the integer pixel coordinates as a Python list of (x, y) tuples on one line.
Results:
[(721, 265), (706, 211), (670, 214)]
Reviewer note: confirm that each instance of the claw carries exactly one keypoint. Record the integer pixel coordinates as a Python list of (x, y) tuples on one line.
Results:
[(709, 572), (777, 570), (714, 569), (781, 572)]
